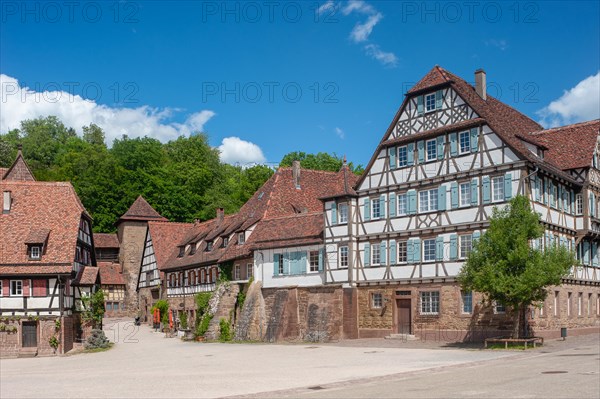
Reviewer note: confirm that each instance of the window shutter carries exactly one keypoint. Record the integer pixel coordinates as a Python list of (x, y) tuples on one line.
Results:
[(592, 202), (476, 235), (559, 202), (393, 256), (392, 203), (26, 287), (321, 256), (545, 191), (410, 251), (286, 263), (486, 189), (474, 133), (440, 147), (417, 250), (276, 264), (454, 195), (392, 154), (586, 254), (367, 209), (474, 191), (572, 202), (412, 202), (537, 182), (303, 262), (453, 145), (382, 207), (410, 154), (507, 186), (594, 254), (439, 95), (441, 198), (367, 254), (439, 248), (420, 105), (453, 247), (5, 287), (383, 253), (421, 151), (334, 213)]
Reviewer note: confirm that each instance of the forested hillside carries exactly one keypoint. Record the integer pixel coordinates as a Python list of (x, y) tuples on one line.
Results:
[(183, 179)]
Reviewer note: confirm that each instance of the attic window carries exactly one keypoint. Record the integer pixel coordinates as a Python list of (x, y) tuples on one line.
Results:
[(430, 102), (181, 251), (6, 202), (209, 246), (35, 252), (192, 248), (261, 195), (241, 238), (225, 241)]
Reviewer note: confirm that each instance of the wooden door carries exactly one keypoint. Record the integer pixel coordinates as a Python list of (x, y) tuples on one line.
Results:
[(404, 316), (29, 334)]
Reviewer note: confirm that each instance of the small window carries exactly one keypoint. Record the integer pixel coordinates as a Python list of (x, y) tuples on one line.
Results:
[(431, 150), (236, 272), (569, 295), (556, 302), (343, 213), (402, 252), (498, 188), (430, 102), (429, 250), (181, 251), (580, 304), (241, 238), (467, 302), (375, 208), (375, 254), (6, 201), (428, 200), (402, 156), (192, 248), (376, 300), (465, 194), (16, 287), (589, 305), (343, 256), (209, 246), (314, 261), (225, 242), (35, 252), (579, 204), (249, 271), (466, 245), (430, 302), (280, 264), (499, 308), (402, 204), (464, 139)]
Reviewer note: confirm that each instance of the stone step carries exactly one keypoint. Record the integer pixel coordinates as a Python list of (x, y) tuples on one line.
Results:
[(27, 352), (402, 337)]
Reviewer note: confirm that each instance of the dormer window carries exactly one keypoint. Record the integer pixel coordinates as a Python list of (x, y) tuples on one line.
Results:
[(6, 202), (209, 245), (241, 238), (181, 251), (430, 102), (192, 248), (225, 241), (35, 252)]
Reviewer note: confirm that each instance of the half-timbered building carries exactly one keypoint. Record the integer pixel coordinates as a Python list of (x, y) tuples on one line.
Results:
[(113, 284)]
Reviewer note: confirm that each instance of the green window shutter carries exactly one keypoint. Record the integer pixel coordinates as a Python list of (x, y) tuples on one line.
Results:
[(383, 253), (441, 198), (392, 154), (453, 145), (367, 259), (439, 248), (486, 189), (417, 250), (393, 256), (474, 133), (474, 191), (410, 154), (321, 258), (367, 209), (507, 186), (538, 188), (410, 251), (439, 95), (420, 105), (453, 247), (382, 207), (421, 151), (276, 264), (412, 202), (392, 203), (440, 147), (454, 195), (476, 235), (334, 214)]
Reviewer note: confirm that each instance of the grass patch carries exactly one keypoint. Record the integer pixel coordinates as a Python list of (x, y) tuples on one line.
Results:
[(95, 350), (515, 346)]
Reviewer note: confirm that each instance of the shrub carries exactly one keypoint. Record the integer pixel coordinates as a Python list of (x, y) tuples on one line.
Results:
[(202, 299), (53, 341), (183, 321), (203, 325), (163, 307), (57, 324), (97, 339), (2, 327), (225, 330)]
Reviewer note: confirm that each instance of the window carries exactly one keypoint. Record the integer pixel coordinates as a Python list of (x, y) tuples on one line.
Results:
[(464, 141), (402, 156), (579, 204), (580, 304), (225, 242), (249, 271), (431, 150), (402, 252), (181, 251), (430, 102), (466, 245), (16, 287), (428, 250), (214, 274), (209, 246), (375, 254), (499, 308), (344, 256), (376, 209), (465, 194), (1, 284), (430, 302), (376, 300), (343, 213), (569, 304), (554, 199), (428, 200), (402, 204), (467, 301), (241, 238), (192, 248), (36, 252), (589, 303), (313, 258), (279, 264), (236, 272), (6, 202), (498, 188), (556, 303)]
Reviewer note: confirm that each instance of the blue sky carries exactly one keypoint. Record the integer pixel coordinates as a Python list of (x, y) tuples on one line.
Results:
[(270, 78)]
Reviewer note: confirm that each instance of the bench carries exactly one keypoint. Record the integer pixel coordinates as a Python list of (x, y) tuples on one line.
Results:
[(525, 341)]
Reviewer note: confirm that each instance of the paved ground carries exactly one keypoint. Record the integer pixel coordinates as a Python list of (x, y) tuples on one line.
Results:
[(144, 364)]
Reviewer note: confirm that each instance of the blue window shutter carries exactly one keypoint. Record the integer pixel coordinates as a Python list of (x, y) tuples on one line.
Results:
[(586, 252), (454, 195), (474, 133), (392, 154), (420, 105), (474, 191), (303, 262), (453, 145), (441, 198), (559, 201), (321, 258), (286, 263), (334, 214), (393, 257), (486, 189), (417, 250), (367, 259), (453, 247), (440, 147), (545, 191), (421, 151), (572, 202), (439, 249), (507, 186), (392, 204), (410, 251), (382, 253), (412, 202), (367, 209), (592, 204), (410, 154), (382, 207), (538, 188), (594, 254), (439, 95), (476, 235), (276, 264)]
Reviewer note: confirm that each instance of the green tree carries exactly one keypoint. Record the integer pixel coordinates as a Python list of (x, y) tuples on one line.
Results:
[(319, 161), (93, 308), (504, 266)]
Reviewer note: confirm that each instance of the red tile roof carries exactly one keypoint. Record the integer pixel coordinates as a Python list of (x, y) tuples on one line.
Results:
[(2, 172), (88, 275), (110, 274), (141, 210), (165, 238), (103, 240), (303, 229), (40, 269), (435, 77), (19, 170)]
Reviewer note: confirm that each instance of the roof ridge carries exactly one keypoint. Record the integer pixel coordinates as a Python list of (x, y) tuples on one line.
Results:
[(293, 216), (584, 123)]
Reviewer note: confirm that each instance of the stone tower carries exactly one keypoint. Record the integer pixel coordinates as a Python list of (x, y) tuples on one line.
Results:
[(132, 228)]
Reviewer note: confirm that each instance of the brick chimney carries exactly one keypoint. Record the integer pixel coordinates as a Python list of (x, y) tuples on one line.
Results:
[(296, 173), (481, 83), (220, 214)]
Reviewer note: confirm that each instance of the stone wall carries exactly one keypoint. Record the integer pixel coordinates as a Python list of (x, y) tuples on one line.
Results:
[(11, 344), (147, 297), (132, 236)]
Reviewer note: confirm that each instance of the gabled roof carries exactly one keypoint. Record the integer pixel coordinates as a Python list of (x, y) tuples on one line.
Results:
[(437, 76), (110, 274), (19, 170), (571, 146), (88, 275), (286, 231), (165, 237), (3, 172), (103, 240), (141, 210)]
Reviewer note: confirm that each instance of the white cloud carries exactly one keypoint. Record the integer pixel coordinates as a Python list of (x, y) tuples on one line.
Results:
[(387, 59), (237, 151), (501, 44), (328, 7), (358, 6), (20, 103), (361, 32), (340, 133), (581, 103)]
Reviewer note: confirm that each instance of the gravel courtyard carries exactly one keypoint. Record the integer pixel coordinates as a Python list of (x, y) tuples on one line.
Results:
[(144, 364)]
